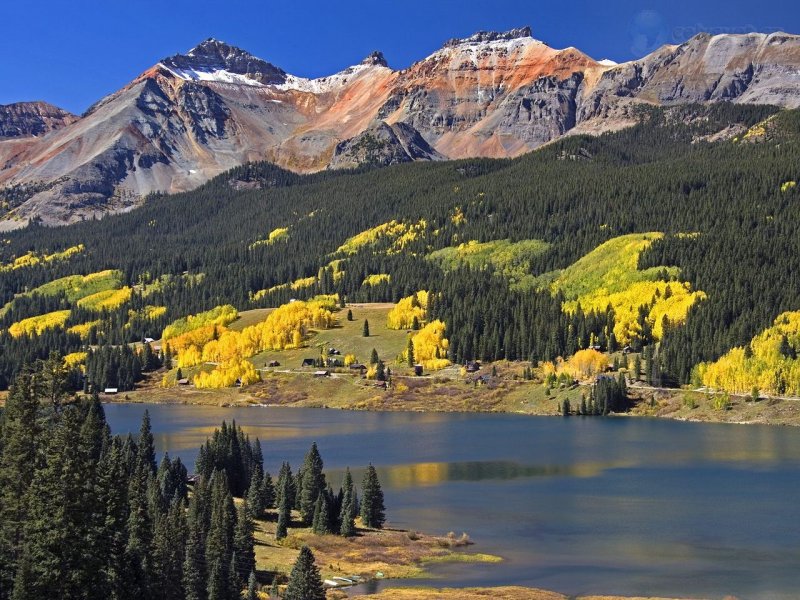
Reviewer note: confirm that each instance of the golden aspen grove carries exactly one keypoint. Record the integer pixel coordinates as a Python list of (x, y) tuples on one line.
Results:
[(769, 363), (609, 276)]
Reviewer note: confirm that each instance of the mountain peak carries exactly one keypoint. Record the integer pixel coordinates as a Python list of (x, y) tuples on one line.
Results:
[(483, 37), (213, 59), (375, 58)]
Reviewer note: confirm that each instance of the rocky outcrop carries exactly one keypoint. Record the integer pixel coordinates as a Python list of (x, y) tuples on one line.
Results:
[(493, 94), (382, 145), (26, 119)]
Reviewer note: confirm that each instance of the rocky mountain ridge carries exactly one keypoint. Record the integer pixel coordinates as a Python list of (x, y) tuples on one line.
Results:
[(493, 94)]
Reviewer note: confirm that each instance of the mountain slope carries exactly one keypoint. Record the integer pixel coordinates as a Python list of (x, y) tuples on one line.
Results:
[(193, 116), (27, 119)]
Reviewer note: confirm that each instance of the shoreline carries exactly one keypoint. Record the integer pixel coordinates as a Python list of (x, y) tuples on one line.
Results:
[(434, 394)]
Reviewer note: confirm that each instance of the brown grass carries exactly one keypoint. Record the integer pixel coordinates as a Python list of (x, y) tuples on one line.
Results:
[(396, 553)]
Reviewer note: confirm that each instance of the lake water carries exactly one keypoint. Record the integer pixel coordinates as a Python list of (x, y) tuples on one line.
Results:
[(602, 506)]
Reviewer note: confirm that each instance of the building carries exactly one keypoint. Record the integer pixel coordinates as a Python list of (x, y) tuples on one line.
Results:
[(322, 373)]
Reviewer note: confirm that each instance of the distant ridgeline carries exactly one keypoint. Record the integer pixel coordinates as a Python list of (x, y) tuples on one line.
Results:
[(678, 234)]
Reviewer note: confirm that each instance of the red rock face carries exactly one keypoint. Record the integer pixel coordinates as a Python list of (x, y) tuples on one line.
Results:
[(193, 116)]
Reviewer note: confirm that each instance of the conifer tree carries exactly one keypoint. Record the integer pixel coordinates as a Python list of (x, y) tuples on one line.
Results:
[(410, 352), (348, 513), (365, 331), (284, 508), (267, 492), (252, 587), (372, 507), (304, 582), (313, 483), (20, 442), (321, 525), (147, 452), (243, 544)]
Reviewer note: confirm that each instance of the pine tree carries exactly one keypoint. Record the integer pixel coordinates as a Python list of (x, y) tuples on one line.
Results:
[(322, 518), (252, 587), (365, 331), (255, 498), (313, 483), (349, 315), (304, 582), (243, 544), (147, 453), (284, 508), (20, 442), (374, 359), (194, 577), (372, 507), (267, 492), (348, 513)]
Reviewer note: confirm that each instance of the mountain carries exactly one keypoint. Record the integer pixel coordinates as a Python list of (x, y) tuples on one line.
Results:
[(192, 116), (29, 119)]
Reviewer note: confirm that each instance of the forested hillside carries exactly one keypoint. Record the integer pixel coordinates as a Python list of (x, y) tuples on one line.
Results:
[(716, 181)]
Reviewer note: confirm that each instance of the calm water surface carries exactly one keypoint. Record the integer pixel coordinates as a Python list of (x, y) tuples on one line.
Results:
[(611, 506)]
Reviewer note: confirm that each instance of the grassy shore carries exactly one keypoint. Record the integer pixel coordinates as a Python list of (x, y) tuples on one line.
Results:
[(503, 387), (508, 392), (372, 553)]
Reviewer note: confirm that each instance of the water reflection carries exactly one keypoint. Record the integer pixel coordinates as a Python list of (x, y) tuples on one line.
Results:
[(433, 473), (613, 506)]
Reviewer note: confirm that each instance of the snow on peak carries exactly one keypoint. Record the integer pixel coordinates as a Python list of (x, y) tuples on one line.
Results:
[(331, 83), (492, 37), (607, 62)]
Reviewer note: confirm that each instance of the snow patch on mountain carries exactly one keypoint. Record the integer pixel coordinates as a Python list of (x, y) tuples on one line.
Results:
[(217, 75), (331, 83)]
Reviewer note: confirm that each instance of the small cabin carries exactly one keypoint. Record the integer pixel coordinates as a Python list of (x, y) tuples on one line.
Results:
[(309, 362), (358, 367), (111, 391), (333, 352), (418, 370), (184, 381), (596, 347), (148, 340), (322, 373), (627, 350), (473, 367), (273, 363)]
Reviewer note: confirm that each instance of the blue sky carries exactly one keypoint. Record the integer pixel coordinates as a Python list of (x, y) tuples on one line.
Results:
[(72, 53)]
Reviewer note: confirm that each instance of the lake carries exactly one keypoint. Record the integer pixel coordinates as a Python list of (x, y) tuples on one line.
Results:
[(623, 506)]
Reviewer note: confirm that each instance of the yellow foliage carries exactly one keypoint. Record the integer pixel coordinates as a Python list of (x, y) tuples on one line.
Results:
[(74, 359), (769, 362), (350, 359), (276, 235), (373, 280), (31, 259), (402, 315), (84, 328), (189, 357), (227, 374), (586, 363), (287, 326), (430, 346), (39, 324), (458, 217), (303, 283), (106, 300), (394, 235), (788, 186), (609, 277), (220, 315), (151, 313)]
